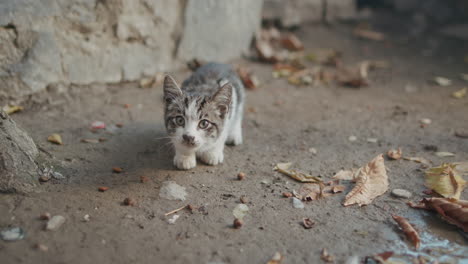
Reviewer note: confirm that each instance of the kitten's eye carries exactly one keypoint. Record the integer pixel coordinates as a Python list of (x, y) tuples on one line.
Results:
[(204, 124), (179, 120)]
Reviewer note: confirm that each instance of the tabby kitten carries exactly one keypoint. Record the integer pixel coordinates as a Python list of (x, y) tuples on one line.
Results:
[(204, 114)]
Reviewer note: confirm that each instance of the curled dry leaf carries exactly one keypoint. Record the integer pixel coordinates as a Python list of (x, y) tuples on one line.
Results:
[(425, 162), (382, 257), (442, 81), (443, 154), (55, 138), (460, 93), (394, 154), (351, 78), (249, 80), (347, 175), (292, 42), (451, 210), (10, 109), (371, 182), (299, 176), (338, 188), (408, 229), (445, 180), (308, 223), (276, 259), (265, 51)]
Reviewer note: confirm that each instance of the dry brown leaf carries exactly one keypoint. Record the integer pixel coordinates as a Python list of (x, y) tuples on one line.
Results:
[(55, 138), (299, 176), (371, 182), (292, 42), (394, 154), (445, 180), (338, 188), (308, 223), (451, 210), (10, 109), (408, 229), (369, 34), (265, 51), (351, 77), (249, 80), (276, 259)]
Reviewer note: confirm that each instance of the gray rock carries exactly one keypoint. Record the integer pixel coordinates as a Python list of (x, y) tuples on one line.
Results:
[(18, 170), (401, 193), (12, 234), (172, 191), (55, 222), (297, 203)]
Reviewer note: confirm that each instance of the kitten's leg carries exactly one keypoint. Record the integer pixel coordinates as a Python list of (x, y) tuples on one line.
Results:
[(185, 160), (235, 135), (213, 156)]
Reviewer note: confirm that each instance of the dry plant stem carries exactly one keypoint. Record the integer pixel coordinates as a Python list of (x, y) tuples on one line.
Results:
[(175, 211)]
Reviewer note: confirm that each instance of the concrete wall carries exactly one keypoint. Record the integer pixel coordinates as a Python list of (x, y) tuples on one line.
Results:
[(48, 42)]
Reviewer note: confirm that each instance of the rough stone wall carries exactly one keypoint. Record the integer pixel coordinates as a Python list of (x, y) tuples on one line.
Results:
[(48, 42)]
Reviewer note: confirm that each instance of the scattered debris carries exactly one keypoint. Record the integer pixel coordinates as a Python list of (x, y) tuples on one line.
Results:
[(11, 109), (86, 218), (98, 125), (445, 180), (442, 81), (299, 176), (352, 138), (243, 199), (41, 247), (241, 176), (238, 223), (425, 121), (425, 162), (45, 216), (55, 138), (276, 259), (394, 154), (177, 210), (287, 194), (90, 140), (297, 203), (408, 229), (55, 222), (103, 188), (453, 211), (369, 34), (291, 42), (460, 93), (307, 223), (325, 256), (144, 179), (249, 80), (12, 234), (461, 134), (117, 169), (371, 182), (129, 201), (443, 154), (240, 211), (401, 193), (172, 191), (173, 219)]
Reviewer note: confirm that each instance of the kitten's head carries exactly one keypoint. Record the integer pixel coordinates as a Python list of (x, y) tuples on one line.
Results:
[(193, 120)]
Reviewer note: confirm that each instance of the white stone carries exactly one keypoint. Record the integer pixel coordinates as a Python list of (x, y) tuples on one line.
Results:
[(173, 219), (352, 138), (297, 203), (55, 222), (172, 191), (401, 193), (12, 234)]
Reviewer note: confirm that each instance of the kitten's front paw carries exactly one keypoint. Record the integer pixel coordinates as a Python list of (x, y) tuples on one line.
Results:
[(185, 162), (212, 157)]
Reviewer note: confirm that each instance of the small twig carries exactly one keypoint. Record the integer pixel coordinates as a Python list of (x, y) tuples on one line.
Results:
[(175, 211)]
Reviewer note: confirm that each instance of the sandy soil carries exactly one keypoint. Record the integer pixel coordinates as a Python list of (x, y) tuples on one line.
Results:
[(281, 124)]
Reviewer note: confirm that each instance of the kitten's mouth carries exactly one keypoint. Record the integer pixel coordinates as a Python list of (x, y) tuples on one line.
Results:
[(189, 144)]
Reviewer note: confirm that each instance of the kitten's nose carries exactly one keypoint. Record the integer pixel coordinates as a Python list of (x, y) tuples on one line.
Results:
[(189, 139)]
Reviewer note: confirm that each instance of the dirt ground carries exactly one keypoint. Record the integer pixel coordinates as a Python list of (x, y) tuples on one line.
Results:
[(281, 124)]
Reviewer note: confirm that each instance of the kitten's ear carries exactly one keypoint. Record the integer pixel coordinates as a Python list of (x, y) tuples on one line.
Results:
[(222, 98), (171, 89)]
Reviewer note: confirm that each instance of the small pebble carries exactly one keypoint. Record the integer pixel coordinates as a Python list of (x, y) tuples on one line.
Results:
[(287, 194), (238, 223), (86, 218), (241, 176), (425, 121), (352, 138), (297, 203), (103, 189), (129, 201), (173, 219), (401, 193), (12, 234), (144, 179), (372, 140), (313, 151), (244, 199), (55, 222), (45, 216), (117, 169), (41, 247)]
